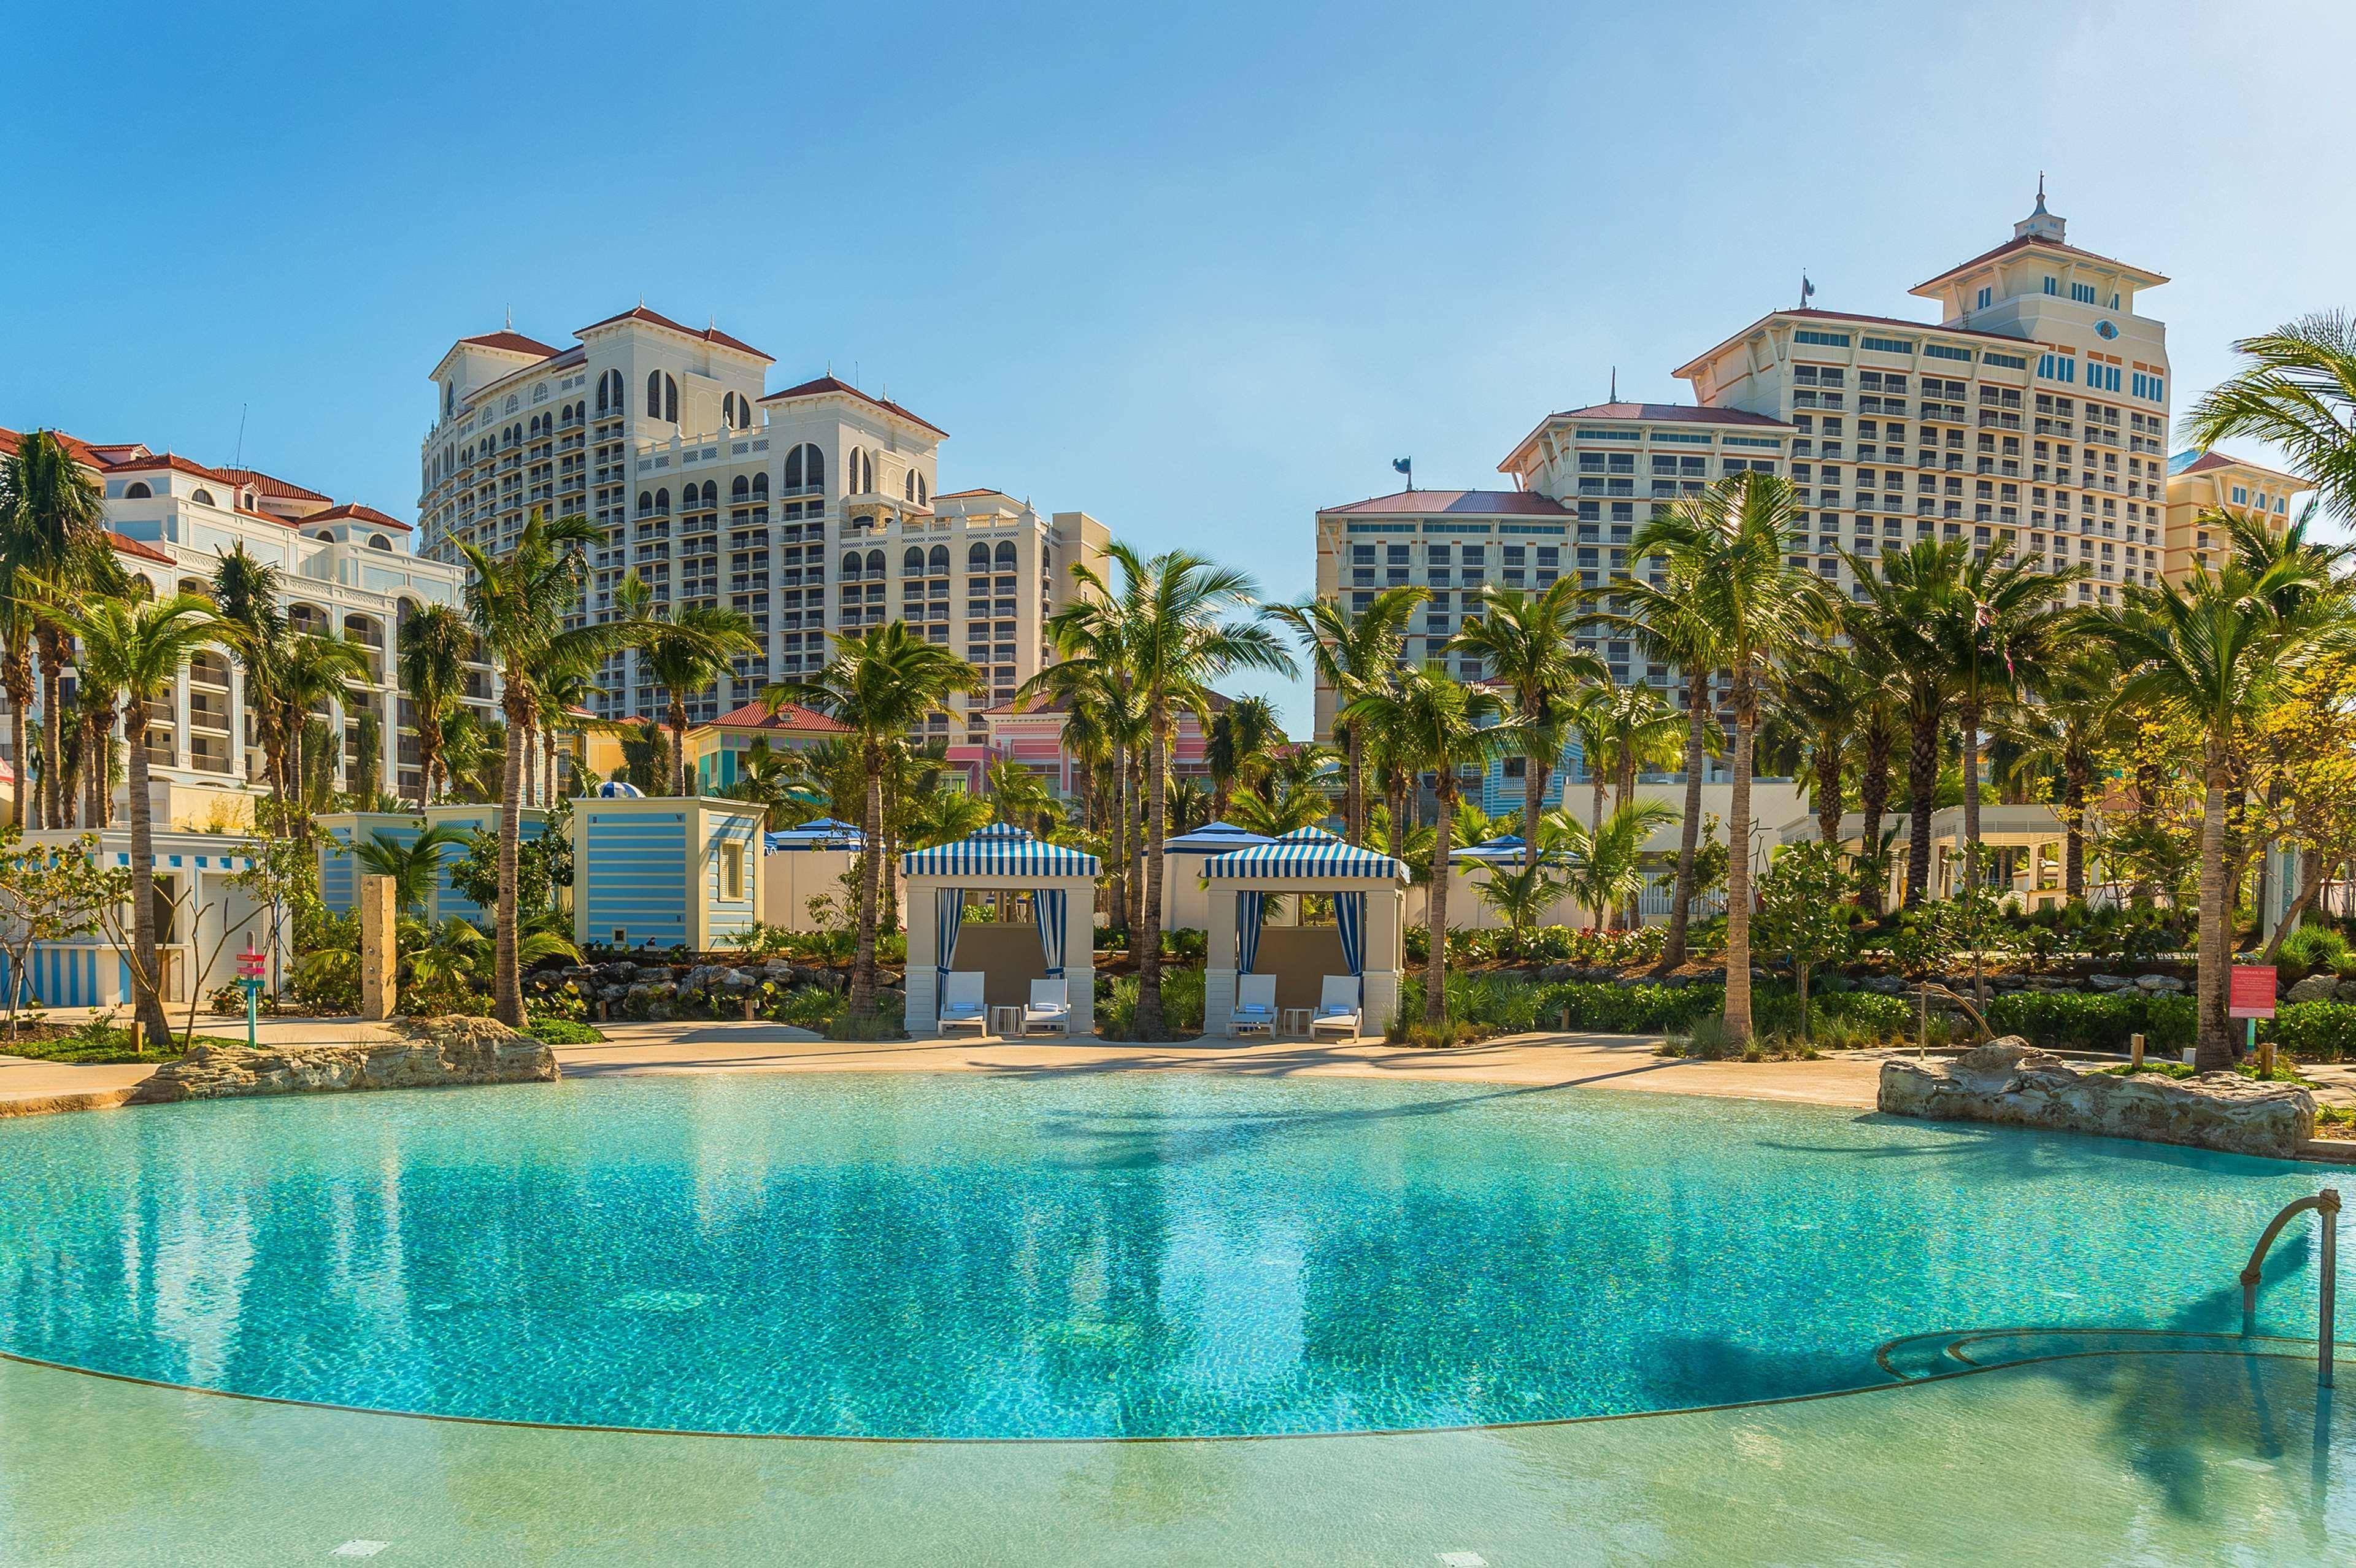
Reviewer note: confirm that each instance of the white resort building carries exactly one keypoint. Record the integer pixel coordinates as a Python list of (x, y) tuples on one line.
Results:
[(346, 570), (813, 510)]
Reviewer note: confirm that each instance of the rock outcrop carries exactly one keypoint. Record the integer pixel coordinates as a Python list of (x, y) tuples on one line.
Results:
[(2010, 1082), (435, 1053)]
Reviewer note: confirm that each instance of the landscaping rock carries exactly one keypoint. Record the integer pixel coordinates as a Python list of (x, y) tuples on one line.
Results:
[(2011, 1082), (2168, 984), (2347, 992), (438, 1052), (2314, 989), (2109, 982)]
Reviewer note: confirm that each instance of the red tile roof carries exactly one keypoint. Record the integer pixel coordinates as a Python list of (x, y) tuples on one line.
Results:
[(173, 461), (1216, 702), (2211, 460), (351, 511), (2028, 241), (512, 342), (1668, 413), (262, 484), (709, 334), (969, 494), (792, 716), (1467, 503), (827, 385), (82, 450), (122, 546)]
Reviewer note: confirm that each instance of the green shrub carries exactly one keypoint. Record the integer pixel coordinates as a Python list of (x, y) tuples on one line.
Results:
[(1628, 1010), (2313, 947), (561, 1031), (2077, 1020), (2322, 1030), (1182, 1005)]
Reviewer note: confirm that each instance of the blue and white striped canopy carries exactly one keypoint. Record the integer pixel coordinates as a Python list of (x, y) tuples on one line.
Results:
[(1305, 854), (1001, 849), (1214, 838)]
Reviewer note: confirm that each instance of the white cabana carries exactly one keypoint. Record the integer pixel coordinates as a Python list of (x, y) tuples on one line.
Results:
[(1364, 940), (1184, 906), (1059, 943)]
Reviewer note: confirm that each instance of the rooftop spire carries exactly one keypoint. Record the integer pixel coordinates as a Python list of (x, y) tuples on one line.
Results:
[(2041, 224)]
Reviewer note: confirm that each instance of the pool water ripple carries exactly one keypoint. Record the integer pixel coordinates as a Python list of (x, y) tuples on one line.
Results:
[(1081, 1256)]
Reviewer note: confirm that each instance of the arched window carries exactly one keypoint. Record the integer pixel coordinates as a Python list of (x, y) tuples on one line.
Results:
[(539, 393), (249, 501), (793, 469), (662, 502), (908, 486), (761, 485), (325, 537), (609, 392), (875, 562), (851, 472), (654, 394), (514, 402), (1005, 555), (740, 488), (866, 473), (670, 399), (913, 561), (940, 561), (204, 498), (851, 563), (815, 474), (923, 496), (710, 493), (449, 397), (978, 559), (378, 541), (137, 491), (646, 504)]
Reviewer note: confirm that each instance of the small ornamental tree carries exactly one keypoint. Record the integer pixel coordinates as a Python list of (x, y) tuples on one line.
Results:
[(50, 894), (1803, 911)]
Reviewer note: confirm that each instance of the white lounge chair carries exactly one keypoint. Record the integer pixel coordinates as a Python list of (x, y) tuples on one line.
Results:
[(1050, 1008), (1255, 1005), (1337, 1006), (961, 1001)]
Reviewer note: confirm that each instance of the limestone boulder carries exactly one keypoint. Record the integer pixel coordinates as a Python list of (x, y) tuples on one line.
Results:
[(2011, 1082), (433, 1053), (2314, 989)]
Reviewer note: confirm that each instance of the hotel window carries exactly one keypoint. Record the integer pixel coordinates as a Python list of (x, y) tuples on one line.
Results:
[(2084, 293), (2053, 285), (1985, 295)]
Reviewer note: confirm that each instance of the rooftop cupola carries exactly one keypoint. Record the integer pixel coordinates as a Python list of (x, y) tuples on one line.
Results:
[(2041, 224)]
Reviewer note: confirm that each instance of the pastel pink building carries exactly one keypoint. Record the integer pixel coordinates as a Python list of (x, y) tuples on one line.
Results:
[(1032, 737)]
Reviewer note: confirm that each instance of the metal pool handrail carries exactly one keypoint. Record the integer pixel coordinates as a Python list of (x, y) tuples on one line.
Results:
[(2326, 1205)]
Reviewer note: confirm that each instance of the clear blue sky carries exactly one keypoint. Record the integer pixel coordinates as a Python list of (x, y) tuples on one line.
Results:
[(1198, 269)]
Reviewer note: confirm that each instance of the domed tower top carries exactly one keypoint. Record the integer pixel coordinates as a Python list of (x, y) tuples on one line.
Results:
[(2041, 224)]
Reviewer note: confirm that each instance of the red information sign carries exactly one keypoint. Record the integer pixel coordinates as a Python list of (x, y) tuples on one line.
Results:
[(2253, 995)]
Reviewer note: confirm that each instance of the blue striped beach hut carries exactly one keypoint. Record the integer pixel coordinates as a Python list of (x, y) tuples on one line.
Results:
[(664, 871), (341, 831), (1057, 943), (1367, 889)]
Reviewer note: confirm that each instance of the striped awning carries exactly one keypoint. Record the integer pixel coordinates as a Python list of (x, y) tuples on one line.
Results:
[(1001, 849), (1306, 854)]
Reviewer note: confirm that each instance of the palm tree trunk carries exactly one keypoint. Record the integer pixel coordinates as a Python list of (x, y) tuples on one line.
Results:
[(1872, 794), (1921, 789), (1828, 792), (1353, 787), (1738, 869), (1149, 962), (2075, 772), (1672, 947), (870, 879), (1969, 715), (507, 975), (1533, 775), (1435, 964), (20, 694), (1117, 835), (679, 744), (887, 909), (52, 657), (147, 1004), (531, 768), (549, 750), (1138, 786), (2213, 1045)]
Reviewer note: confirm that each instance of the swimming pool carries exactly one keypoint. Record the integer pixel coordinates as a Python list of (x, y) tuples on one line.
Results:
[(1142, 1255)]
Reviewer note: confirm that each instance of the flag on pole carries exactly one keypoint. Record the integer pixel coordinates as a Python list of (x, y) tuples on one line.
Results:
[(1404, 465), (1807, 291)]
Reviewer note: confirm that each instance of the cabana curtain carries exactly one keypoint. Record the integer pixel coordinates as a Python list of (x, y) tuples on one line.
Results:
[(1247, 910), (949, 915), (1350, 919), (1047, 908)]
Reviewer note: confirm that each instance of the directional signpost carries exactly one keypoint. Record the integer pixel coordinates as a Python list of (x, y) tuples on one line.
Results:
[(2252, 997), (249, 975)]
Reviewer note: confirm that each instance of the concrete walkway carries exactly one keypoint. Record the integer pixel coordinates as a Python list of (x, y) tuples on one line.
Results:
[(1570, 1061)]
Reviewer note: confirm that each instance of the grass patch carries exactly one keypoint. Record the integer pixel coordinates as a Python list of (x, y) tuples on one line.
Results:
[(92, 1043), (563, 1031), (874, 1026), (2285, 1070)]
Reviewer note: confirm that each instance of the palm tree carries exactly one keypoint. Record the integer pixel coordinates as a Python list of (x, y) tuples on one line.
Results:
[(1436, 724), (2297, 389), (2001, 619), (682, 650), (1665, 623), (2207, 654), (1605, 861), (1288, 806), (1908, 592), (1351, 655), (1237, 747), (1823, 698), (137, 649), (1879, 727), (52, 522), (944, 817), (1525, 641), (435, 642), (519, 604), (779, 778), (1022, 796), (1163, 630), (310, 671), (563, 700), (882, 683), (2064, 732), (414, 866), (1724, 550), (1518, 896)]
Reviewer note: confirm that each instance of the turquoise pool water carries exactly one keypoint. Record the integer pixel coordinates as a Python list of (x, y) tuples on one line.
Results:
[(1082, 1257)]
